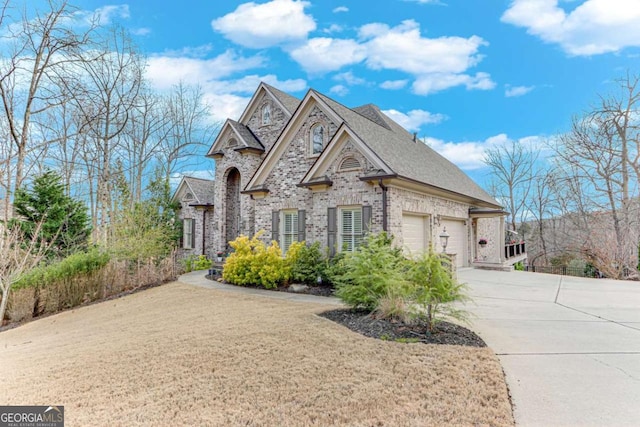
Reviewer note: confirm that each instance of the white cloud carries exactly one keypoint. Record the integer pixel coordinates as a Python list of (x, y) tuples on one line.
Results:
[(339, 90), (142, 31), (513, 91), (268, 24), (593, 27), (323, 54), (469, 155), (403, 48), (165, 71), (248, 84), (414, 119), (227, 96), (394, 84), (106, 14), (349, 78), (436, 82), (333, 28), (340, 9), (436, 2)]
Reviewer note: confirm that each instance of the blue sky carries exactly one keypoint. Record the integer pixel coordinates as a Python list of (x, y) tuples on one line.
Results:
[(463, 74)]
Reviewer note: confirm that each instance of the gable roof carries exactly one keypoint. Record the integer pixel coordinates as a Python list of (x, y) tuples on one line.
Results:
[(202, 190), (408, 158), (402, 155), (243, 134), (287, 102)]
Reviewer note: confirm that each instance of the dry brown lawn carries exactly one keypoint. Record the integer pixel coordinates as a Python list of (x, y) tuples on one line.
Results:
[(182, 355)]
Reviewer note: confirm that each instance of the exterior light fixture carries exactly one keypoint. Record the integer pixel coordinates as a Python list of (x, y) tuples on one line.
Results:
[(444, 239)]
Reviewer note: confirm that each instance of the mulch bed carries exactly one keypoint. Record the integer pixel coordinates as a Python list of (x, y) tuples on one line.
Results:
[(444, 332), (363, 323)]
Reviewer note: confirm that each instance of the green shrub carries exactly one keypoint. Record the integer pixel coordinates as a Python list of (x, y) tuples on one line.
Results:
[(78, 264), (308, 264), (369, 273), (193, 263), (376, 277), (433, 287), (518, 266), (253, 263)]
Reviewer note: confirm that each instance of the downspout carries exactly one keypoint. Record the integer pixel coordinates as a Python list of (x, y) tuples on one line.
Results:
[(204, 217), (384, 204)]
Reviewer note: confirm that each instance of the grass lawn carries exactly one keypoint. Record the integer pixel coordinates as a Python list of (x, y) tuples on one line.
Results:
[(182, 355)]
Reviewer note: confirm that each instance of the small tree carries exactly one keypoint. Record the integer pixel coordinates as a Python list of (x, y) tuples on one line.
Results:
[(433, 287), (370, 272), (46, 215)]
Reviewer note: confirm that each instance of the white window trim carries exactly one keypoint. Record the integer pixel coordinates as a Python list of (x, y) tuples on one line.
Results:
[(187, 237), (262, 110), (341, 240), (293, 233)]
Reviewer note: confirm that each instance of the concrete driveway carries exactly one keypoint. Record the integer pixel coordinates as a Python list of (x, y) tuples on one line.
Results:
[(570, 347)]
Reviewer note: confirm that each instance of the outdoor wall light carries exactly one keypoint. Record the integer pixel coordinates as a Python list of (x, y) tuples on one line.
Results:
[(444, 239)]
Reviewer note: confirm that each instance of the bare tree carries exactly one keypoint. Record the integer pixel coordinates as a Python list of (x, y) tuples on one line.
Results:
[(41, 45), (106, 99), (512, 168), (187, 129), (598, 159), (540, 205)]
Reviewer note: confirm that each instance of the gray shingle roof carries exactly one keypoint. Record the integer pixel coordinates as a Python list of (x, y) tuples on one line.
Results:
[(246, 134), (290, 102), (413, 160), (372, 113), (203, 189)]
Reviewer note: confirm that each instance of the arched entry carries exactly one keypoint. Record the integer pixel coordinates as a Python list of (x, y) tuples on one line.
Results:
[(232, 203)]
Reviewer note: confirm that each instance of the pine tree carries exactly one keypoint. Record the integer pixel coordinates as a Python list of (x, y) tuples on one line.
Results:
[(65, 224)]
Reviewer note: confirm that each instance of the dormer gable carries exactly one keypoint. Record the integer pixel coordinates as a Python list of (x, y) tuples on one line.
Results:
[(311, 103), (235, 136), (334, 155)]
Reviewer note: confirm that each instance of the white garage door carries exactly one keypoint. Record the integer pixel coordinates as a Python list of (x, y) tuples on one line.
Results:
[(414, 233), (457, 240)]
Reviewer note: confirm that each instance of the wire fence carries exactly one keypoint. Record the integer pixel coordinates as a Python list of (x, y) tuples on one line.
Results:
[(564, 270)]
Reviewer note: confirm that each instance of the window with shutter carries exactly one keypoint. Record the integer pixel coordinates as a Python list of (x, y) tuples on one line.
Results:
[(289, 229), (187, 233), (350, 228)]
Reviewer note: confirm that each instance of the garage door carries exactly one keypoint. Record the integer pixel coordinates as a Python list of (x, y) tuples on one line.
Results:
[(414, 233), (457, 240)]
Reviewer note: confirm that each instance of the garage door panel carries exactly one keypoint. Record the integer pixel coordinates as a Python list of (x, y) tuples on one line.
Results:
[(414, 233)]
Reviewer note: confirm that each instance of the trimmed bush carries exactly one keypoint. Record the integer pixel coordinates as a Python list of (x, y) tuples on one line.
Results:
[(307, 263), (253, 263)]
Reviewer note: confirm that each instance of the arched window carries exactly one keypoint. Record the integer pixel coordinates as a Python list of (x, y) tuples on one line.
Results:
[(232, 143), (317, 139), (266, 114)]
